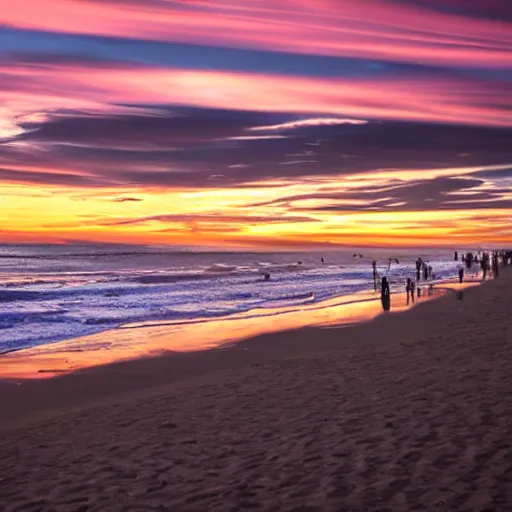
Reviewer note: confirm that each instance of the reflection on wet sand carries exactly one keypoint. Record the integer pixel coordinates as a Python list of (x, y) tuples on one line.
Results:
[(151, 339)]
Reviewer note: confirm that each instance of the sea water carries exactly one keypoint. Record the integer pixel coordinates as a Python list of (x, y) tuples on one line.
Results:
[(53, 293)]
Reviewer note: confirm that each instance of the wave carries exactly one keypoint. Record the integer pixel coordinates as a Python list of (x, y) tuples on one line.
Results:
[(173, 278), (18, 295), (44, 307), (292, 297), (8, 320)]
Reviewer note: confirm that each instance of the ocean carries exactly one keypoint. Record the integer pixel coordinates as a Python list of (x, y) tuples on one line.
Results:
[(54, 293)]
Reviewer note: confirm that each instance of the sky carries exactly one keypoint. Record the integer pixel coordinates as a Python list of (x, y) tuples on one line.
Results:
[(262, 124)]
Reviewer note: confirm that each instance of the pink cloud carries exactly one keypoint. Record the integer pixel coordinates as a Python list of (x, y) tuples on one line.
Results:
[(43, 89), (374, 29)]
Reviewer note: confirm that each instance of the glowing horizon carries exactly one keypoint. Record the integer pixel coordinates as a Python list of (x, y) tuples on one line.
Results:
[(292, 124)]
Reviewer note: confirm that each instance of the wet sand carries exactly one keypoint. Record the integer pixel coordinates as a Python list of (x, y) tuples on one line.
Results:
[(135, 341), (410, 411)]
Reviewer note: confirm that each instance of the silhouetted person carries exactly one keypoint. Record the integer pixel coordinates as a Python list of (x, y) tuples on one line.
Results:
[(484, 264), (266, 276), (322, 260), (455, 256), (495, 265), (375, 274), (413, 286), (425, 271), (469, 260), (461, 274), (409, 290), (429, 271), (385, 294), (418, 269)]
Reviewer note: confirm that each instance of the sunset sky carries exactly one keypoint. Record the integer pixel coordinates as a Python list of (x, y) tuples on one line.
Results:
[(256, 123)]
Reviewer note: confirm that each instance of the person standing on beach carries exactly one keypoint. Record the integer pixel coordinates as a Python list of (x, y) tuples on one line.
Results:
[(484, 264), (469, 260), (495, 265), (385, 294), (418, 269), (461, 274), (409, 290)]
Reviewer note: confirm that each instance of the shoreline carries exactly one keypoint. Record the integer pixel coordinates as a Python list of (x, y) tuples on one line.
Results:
[(41, 397), (75, 306), (158, 338)]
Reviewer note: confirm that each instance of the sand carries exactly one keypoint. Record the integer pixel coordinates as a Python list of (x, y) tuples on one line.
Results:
[(411, 411)]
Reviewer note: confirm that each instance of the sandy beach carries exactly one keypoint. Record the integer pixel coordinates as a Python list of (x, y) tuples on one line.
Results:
[(407, 412)]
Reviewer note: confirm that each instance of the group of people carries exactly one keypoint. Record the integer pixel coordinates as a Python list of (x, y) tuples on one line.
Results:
[(486, 261), (423, 269)]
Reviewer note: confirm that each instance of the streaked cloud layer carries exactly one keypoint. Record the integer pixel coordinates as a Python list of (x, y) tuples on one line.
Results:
[(261, 123)]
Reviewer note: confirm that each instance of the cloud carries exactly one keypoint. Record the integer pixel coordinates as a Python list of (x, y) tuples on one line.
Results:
[(373, 29), (491, 9), (255, 137), (146, 127), (53, 178), (301, 123), (126, 200), (221, 219), (143, 151), (441, 193), (436, 98)]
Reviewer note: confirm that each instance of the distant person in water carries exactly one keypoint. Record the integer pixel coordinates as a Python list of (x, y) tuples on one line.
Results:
[(418, 269), (385, 294), (455, 256), (461, 274), (375, 274), (266, 276), (322, 260)]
